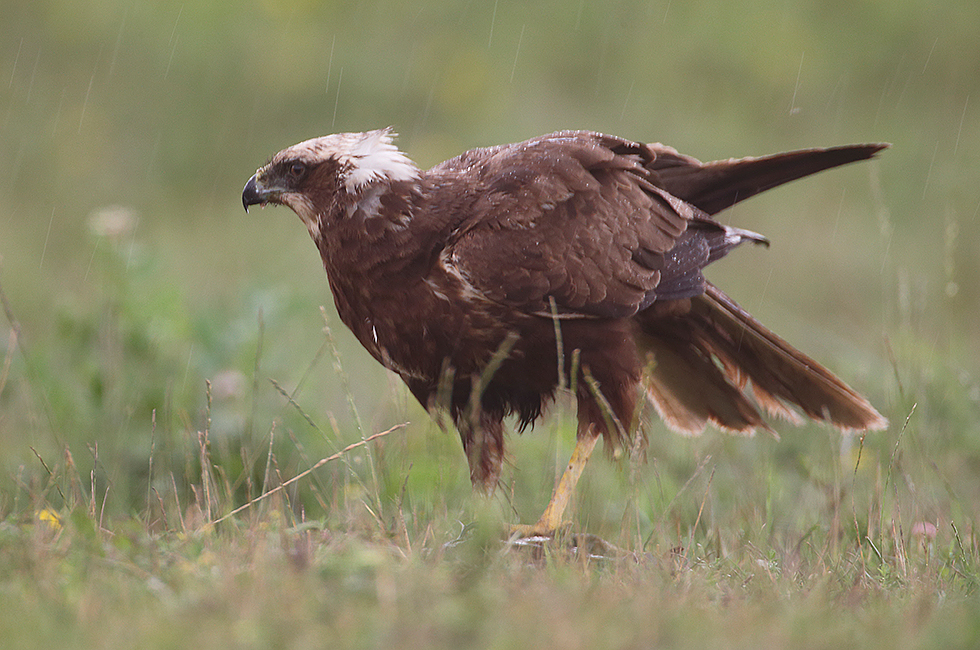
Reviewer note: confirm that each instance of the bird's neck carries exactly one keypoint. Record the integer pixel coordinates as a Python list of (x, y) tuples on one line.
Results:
[(378, 255), (377, 249)]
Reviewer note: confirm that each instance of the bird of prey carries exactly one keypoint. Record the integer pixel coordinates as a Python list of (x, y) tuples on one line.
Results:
[(573, 259)]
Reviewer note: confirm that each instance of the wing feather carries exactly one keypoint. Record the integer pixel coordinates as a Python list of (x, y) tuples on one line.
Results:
[(717, 185), (572, 216)]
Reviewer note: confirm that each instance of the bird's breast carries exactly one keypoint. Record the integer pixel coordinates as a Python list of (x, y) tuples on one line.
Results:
[(417, 327)]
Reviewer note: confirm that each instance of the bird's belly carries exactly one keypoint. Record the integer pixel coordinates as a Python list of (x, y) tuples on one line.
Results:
[(427, 342)]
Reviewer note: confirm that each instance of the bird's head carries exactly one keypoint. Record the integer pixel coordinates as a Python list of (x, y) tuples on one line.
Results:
[(315, 174)]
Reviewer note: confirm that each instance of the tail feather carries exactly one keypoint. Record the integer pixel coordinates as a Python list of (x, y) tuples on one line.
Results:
[(705, 360), (717, 185), (689, 390)]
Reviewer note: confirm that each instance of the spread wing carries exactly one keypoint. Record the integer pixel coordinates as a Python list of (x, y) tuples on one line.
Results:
[(717, 185), (571, 217)]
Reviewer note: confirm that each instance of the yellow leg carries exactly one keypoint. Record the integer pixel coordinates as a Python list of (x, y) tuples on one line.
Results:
[(551, 519)]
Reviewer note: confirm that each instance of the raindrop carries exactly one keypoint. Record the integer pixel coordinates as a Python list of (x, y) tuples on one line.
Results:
[(840, 209), (57, 113), (330, 63), (629, 94), (516, 54), (424, 117), (793, 108), (95, 249), (951, 235), (187, 368), (91, 81), (173, 41), (47, 236), (959, 131), (115, 50), (925, 185), (13, 68), (30, 84), (336, 101), (930, 55), (170, 61), (493, 20), (132, 244)]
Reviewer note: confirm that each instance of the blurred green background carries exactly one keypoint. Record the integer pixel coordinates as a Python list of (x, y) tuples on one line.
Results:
[(127, 130)]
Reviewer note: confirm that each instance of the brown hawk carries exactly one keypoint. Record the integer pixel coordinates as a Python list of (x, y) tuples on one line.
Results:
[(572, 259)]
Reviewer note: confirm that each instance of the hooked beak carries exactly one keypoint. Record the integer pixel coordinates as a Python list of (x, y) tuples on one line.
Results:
[(253, 194)]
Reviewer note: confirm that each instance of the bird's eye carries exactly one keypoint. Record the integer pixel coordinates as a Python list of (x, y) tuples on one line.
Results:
[(297, 169)]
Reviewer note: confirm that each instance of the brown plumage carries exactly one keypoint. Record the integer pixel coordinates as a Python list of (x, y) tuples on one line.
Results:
[(458, 278)]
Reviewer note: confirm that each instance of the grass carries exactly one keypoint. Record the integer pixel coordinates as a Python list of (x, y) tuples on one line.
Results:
[(238, 514), (271, 578)]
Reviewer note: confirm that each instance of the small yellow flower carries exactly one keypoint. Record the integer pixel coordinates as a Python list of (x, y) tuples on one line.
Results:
[(50, 517)]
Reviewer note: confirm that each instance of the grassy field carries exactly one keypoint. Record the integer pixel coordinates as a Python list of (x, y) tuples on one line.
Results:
[(171, 368)]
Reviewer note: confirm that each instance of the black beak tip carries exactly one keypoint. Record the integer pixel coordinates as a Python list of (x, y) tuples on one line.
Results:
[(250, 195)]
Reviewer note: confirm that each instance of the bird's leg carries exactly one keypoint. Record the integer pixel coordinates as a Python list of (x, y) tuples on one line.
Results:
[(550, 521), (604, 404), (482, 435)]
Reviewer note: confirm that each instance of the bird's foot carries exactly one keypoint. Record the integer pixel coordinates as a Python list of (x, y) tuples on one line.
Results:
[(540, 531), (550, 522), (536, 540)]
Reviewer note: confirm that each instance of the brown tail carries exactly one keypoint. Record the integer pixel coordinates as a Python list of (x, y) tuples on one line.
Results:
[(704, 359), (717, 185)]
